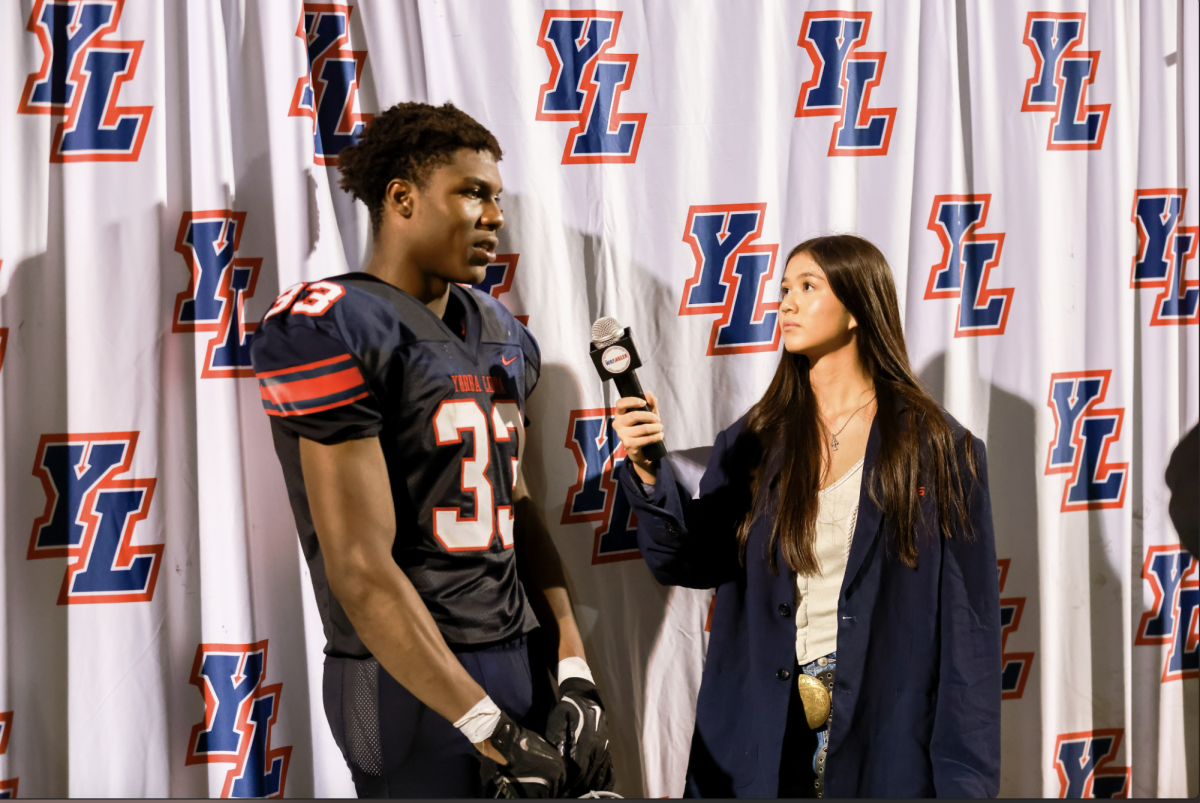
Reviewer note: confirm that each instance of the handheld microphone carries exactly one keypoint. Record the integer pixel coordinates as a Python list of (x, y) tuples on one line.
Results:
[(615, 357)]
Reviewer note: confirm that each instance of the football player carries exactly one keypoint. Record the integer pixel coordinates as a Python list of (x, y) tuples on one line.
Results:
[(397, 401)]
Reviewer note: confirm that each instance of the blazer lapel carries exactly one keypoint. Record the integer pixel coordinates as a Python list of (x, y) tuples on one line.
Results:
[(870, 517)]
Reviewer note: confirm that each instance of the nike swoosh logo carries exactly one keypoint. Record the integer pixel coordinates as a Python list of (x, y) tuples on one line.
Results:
[(508, 362)]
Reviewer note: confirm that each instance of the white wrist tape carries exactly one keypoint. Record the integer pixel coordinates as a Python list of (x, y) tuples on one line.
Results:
[(480, 722), (574, 668)]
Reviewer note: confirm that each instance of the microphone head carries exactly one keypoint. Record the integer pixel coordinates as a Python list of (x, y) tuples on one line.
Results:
[(605, 331)]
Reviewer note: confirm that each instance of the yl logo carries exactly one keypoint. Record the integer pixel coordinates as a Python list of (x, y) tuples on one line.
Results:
[(8, 787), (1171, 572), (841, 83), (91, 516), (585, 86), (968, 258), (328, 92), (596, 497), (499, 280), (1082, 435), (1061, 75), (220, 283), (1014, 666), (80, 80), (1083, 762), (731, 277), (239, 713), (1164, 247)]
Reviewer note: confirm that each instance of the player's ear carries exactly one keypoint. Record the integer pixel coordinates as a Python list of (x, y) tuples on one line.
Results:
[(398, 197)]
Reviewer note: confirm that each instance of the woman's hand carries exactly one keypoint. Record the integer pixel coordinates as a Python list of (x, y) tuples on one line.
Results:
[(638, 425)]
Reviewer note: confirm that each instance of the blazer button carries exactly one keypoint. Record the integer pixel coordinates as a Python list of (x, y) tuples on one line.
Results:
[(783, 674), (785, 610)]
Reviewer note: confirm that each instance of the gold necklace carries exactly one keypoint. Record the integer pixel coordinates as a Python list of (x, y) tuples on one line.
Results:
[(833, 441)]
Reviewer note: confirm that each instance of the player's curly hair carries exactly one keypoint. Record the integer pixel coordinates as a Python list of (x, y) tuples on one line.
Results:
[(406, 142)]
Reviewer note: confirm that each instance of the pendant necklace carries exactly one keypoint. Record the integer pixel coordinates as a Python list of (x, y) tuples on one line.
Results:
[(833, 442)]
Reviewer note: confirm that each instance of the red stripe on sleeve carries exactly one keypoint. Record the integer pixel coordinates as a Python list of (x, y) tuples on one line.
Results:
[(306, 367), (307, 410), (303, 390)]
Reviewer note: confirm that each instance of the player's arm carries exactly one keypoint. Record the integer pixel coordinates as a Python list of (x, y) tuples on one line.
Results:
[(577, 725), (548, 592), (352, 510)]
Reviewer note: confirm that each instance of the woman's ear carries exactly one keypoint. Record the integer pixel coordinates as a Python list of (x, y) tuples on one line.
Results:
[(853, 323)]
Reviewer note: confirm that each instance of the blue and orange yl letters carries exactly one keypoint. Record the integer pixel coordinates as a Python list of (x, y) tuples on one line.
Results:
[(328, 92), (841, 82), (220, 283), (90, 518), (1061, 75), (1083, 434), (80, 80), (968, 258), (1164, 247), (1083, 762), (585, 86), (1172, 619), (731, 277), (239, 712), (595, 496)]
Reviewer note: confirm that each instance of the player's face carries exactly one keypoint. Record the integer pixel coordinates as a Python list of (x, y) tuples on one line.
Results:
[(814, 322), (456, 216)]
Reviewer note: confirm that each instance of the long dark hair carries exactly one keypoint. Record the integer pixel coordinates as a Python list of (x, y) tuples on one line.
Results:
[(916, 445)]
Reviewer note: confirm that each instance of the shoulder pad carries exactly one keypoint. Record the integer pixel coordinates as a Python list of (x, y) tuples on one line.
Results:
[(498, 324)]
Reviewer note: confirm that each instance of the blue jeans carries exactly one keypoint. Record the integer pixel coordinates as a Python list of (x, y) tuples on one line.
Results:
[(802, 746), (814, 668)]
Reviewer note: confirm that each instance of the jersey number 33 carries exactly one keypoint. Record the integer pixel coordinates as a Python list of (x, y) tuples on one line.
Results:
[(454, 416)]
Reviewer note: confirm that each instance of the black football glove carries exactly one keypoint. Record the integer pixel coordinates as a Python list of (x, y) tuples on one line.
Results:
[(578, 729), (534, 768)]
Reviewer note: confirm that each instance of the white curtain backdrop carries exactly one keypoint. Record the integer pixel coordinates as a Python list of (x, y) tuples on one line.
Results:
[(166, 168)]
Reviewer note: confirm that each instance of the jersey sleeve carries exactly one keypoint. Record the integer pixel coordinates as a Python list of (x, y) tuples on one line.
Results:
[(533, 363), (533, 358), (313, 385)]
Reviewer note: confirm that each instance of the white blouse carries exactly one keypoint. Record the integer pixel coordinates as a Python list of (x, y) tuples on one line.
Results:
[(817, 596)]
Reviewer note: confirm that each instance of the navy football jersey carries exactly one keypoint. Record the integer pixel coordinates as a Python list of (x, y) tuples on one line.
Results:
[(354, 357)]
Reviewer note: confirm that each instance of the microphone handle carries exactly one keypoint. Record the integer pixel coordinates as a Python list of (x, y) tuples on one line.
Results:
[(628, 385)]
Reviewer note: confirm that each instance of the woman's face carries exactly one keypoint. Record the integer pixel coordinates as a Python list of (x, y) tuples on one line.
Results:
[(812, 319)]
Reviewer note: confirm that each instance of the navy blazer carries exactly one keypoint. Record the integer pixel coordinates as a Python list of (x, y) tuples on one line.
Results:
[(916, 700)]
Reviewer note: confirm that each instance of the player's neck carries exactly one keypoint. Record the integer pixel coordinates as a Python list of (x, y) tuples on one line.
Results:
[(396, 270)]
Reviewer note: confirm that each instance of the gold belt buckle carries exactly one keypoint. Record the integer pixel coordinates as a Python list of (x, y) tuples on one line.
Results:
[(815, 698)]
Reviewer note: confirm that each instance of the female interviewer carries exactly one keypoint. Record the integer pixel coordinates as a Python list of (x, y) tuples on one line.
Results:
[(846, 525)]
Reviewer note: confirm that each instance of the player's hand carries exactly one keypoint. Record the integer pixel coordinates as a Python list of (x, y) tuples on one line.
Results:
[(578, 729), (534, 768), (638, 425)]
